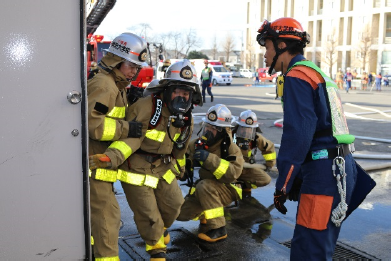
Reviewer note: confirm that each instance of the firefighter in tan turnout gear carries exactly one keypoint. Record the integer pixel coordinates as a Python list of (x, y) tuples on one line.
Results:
[(106, 123), (248, 138), (157, 158), (221, 164)]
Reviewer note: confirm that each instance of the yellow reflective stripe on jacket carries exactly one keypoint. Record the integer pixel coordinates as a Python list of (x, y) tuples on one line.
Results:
[(169, 176), (182, 162), (192, 190), (117, 112), (214, 213), (155, 135), (221, 169), (159, 245), (122, 147), (270, 156), (109, 129), (106, 175), (92, 240), (176, 136), (249, 154), (176, 168), (238, 190), (131, 178), (113, 258), (137, 179)]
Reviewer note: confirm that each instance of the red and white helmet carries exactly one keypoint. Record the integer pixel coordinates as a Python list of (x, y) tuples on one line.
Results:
[(131, 47), (218, 115)]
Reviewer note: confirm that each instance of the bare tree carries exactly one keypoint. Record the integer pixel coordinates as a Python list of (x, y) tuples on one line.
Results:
[(330, 52), (250, 54), (214, 48), (177, 44), (364, 47), (228, 45), (191, 40)]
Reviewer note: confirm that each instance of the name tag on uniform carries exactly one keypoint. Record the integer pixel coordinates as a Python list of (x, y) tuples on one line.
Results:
[(320, 154)]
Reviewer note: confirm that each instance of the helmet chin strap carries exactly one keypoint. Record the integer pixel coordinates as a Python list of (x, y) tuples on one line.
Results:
[(278, 52)]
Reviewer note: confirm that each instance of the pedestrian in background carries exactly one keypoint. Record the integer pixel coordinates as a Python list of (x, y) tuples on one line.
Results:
[(378, 80), (206, 81), (370, 79), (364, 80), (256, 78), (315, 152), (339, 79), (348, 79)]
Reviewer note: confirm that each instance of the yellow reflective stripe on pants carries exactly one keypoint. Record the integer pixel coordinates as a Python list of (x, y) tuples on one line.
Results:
[(113, 258), (270, 156), (238, 190), (214, 213), (109, 129), (169, 176), (137, 179), (159, 245), (122, 147), (182, 162), (117, 112), (155, 135), (106, 175), (221, 169)]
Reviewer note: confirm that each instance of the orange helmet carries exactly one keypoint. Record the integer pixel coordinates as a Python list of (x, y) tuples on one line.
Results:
[(285, 27)]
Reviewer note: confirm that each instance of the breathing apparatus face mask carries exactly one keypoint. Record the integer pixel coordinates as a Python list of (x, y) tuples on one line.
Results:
[(178, 99), (211, 134), (242, 143)]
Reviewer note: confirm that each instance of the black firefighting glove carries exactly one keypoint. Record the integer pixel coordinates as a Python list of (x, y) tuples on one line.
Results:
[(294, 193), (201, 155), (279, 201), (99, 161), (135, 129)]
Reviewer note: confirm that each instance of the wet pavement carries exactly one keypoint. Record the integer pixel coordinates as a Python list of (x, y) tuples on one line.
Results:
[(258, 231)]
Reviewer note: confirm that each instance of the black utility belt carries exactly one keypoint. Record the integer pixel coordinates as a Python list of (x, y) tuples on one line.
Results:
[(341, 150), (152, 157)]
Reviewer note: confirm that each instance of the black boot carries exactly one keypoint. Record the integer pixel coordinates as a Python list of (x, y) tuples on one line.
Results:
[(214, 235), (203, 100), (211, 98)]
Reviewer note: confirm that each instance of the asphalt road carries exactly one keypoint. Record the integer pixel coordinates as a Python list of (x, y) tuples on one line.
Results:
[(255, 229)]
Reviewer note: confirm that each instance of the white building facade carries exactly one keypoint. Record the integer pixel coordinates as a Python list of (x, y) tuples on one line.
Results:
[(344, 33)]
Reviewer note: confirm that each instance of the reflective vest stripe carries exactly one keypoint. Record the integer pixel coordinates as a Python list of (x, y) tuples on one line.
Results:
[(214, 213), (182, 162), (160, 244), (122, 147), (238, 190), (270, 156), (221, 169), (169, 176), (113, 258), (117, 112), (109, 129), (176, 136), (340, 127), (107, 175), (205, 73), (155, 135)]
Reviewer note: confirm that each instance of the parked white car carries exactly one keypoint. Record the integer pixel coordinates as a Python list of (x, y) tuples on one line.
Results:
[(246, 73)]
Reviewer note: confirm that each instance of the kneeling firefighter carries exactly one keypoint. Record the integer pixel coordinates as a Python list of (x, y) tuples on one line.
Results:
[(221, 164), (249, 139)]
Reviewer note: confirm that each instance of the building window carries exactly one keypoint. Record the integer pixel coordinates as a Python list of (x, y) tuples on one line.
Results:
[(388, 25)]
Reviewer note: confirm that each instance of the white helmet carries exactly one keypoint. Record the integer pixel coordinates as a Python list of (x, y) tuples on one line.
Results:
[(183, 72), (248, 119), (131, 47), (151, 88), (218, 115)]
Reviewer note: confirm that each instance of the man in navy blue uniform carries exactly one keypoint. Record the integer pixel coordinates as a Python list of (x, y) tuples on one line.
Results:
[(315, 164)]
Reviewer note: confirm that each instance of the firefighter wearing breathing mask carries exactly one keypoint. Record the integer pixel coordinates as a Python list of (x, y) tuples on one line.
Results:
[(315, 164), (249, 139), (221, 164), (107, 105), (153, 162)]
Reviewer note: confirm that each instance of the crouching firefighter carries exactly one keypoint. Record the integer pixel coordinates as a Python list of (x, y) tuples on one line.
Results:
[(316, 146), (221, 163), (249, 139), (156, 159)]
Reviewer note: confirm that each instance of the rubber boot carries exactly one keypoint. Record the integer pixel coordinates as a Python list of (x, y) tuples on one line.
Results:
[(214, 235), (158, 257), (211, 98), (166, 236)]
